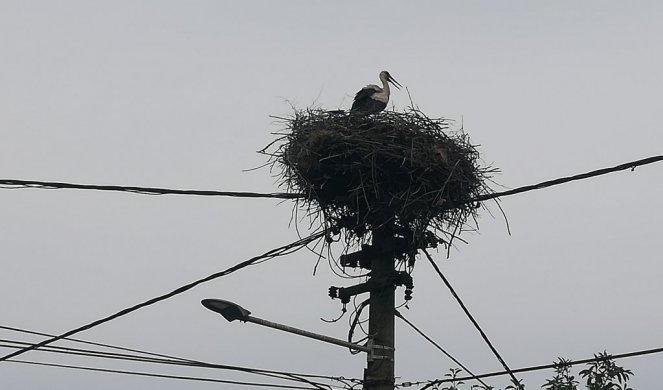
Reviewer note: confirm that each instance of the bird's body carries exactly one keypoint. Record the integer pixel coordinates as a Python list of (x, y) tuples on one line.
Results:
[(372, 98)]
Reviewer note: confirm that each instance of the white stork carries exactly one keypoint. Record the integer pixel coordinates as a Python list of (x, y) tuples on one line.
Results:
[(371, 98)]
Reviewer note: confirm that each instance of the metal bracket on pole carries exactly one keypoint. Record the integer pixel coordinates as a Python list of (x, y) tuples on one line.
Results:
[(373, 356), (399, 278), (365, 255)]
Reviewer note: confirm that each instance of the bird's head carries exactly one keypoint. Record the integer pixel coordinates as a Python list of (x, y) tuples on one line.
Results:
[(385, 76)]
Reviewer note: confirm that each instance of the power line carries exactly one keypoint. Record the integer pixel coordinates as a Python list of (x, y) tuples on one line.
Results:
[(17, 344), (474, 322), (133, 358), (447, 354), (14, 183), (140, 190), (95, 343), (283, 250), (190, 378), (562, 180), (434, 382), (288, 376), (161, 358), (107, 355)]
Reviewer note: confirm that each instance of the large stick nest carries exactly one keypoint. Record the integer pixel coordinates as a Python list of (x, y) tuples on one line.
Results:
[(360, 172)]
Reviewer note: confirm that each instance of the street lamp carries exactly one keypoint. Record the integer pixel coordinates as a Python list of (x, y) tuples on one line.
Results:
[(232, 311)]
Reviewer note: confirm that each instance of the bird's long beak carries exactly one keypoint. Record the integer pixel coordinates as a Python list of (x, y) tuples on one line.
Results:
[(394, 82)]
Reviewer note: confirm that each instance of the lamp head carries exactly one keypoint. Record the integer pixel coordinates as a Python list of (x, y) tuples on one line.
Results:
[(230, 311)]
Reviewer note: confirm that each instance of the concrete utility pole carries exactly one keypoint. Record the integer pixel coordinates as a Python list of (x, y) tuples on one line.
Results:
[(379, 373), (379, 258)]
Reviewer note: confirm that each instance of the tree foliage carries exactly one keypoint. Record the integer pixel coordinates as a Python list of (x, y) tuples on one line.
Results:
[(602, 373)]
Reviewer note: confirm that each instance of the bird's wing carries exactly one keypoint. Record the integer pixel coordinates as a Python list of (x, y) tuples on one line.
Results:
[(366, 92)]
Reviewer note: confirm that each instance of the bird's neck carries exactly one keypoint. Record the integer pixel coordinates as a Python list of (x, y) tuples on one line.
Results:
[(385, 86)]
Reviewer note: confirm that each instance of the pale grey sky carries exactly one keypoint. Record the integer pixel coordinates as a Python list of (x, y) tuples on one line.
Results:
[(179, 93)]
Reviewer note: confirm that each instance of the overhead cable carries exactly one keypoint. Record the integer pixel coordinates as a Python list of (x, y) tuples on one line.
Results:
[(189, 378), (15, 183), (289, 248), (471, 317), (562, 180), (447, 354), (155, 357)]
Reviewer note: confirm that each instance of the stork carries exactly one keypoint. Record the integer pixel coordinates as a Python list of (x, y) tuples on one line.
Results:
[(371, 98)]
